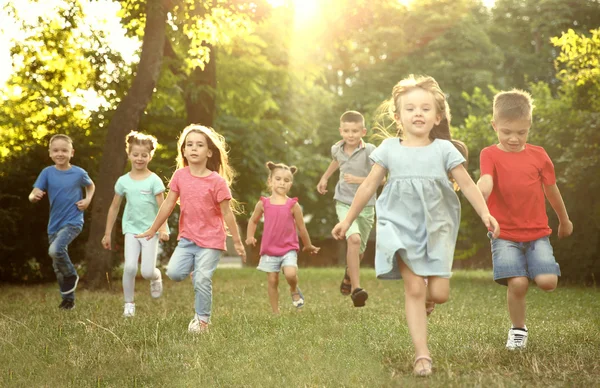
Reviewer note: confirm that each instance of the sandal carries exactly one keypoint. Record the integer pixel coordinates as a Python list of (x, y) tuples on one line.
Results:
[(423, 369), (346, 288), (300, 302), (429, 306), (359, 297)]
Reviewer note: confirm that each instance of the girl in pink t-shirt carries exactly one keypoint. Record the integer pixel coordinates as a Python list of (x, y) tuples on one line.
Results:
[(201, 185), (279, 245)]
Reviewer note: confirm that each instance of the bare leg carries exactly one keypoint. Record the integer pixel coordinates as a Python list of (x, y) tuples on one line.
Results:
[(353, 260), (515, 295), (291, 276), (273, 284)]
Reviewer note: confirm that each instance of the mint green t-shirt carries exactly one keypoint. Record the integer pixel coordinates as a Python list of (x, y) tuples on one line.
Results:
[(141, 207)]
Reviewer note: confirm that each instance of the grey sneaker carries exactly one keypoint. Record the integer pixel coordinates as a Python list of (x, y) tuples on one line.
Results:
[(517, 339), (129, 310), (197, 326), (156, 287)]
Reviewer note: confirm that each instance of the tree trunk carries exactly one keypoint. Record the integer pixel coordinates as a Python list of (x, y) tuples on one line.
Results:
[(125, 119), (200, 96)]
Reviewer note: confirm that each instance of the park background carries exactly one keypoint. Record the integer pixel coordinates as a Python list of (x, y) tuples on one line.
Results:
[(273, 77)]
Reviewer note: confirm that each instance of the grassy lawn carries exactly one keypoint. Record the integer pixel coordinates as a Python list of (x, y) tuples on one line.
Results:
[(328, 344)]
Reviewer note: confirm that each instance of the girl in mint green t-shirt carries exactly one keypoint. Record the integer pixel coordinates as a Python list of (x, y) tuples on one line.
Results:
[(144, 193)]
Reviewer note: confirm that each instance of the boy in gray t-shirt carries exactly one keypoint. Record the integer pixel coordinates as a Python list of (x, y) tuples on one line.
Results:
[(351, 156)]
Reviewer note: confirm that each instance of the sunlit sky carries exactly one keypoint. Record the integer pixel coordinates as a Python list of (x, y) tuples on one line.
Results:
[(101, 14)]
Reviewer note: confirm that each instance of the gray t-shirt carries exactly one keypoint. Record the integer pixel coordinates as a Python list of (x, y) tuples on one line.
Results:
[(358, 164)]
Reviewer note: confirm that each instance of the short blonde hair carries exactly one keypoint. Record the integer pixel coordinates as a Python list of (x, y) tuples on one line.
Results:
[(513, 105), (60, 136)]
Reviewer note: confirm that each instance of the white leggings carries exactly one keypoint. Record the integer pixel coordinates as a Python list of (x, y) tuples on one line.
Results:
[(149, 249)]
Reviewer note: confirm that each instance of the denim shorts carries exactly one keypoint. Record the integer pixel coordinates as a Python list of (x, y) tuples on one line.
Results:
[(274, 263), (530, 259)]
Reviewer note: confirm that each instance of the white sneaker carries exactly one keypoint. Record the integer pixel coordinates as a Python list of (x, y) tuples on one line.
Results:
[(129, 310), (156, 287), (517, 339), (197, 326)]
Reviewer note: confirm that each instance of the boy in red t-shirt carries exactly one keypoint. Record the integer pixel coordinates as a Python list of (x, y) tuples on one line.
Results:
[(514, 178)]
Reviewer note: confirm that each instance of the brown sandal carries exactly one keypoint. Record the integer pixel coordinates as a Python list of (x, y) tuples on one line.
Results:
[(424, 369), (346, 288), (429, 306)]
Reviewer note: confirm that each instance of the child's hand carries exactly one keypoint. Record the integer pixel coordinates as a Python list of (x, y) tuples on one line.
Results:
[(36, 195), (239, 248), (251, 241), (565, 230), (147, 234), (83, 204), (322, 186), (349, 178), (339, 231), (106, 241), (313, 250), (163, 236), (492, 225)]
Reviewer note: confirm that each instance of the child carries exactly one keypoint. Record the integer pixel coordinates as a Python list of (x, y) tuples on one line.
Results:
[(418, 212), (514, 177), (279, 245), (143, 191), (63, 183), (351, 156), (201, 184)]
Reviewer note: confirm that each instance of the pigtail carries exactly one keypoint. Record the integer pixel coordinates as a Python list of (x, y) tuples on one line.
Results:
[(293, 169)]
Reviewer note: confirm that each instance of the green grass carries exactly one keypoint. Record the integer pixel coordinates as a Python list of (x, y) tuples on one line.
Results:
[(328, 344)]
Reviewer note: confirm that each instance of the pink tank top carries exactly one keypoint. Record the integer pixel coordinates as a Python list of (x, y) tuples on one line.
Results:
[(279, 233)]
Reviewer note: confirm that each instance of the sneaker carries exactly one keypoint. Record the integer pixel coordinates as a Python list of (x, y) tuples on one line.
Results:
[(517, 339), (67, 304), (359, 297), (129, 310), (156, 288), (299, 303), (197, 326), (69, 284)]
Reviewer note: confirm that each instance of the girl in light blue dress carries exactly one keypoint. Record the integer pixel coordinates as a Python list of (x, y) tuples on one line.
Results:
[(418, 212)]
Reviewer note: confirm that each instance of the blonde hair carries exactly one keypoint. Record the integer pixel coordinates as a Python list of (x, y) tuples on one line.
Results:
[(391, 108), (352, 116), (60, 136), (140, 139), (513, 105), (279, 166)]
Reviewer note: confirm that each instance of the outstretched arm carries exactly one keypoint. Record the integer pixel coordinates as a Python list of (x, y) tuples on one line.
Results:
[(253, 223), (322, 186), (229, 218), (163, 214), (299, 218), (363, 194), (565, 226), (475, 197)]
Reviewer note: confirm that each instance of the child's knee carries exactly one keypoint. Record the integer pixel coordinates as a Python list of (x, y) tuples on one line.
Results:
[(130, 271), (175, 275), (439, 297), (147, 273), (354, 240), (518, 286), (546, 282), (54, 252)]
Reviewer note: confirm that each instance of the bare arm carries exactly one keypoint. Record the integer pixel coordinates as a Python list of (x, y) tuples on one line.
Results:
[(363, 194), (163, 233), (299, 218), (253, 223), (163, 214), (229, 218), (322, 186), (36, 194), (89, 194), (565, 226), (113, 211), (475, 197), (486, 185)]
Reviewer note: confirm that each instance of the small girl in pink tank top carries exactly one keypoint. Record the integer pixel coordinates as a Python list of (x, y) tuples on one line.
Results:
[(279, 246)]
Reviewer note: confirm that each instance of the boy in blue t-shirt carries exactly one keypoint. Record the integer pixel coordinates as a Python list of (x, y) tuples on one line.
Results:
[(63, 183)]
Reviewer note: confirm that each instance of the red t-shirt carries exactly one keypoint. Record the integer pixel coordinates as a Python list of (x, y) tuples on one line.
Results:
[(517, 200), (200, 217)]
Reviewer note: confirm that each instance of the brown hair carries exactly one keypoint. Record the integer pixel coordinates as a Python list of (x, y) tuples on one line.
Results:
[(352, 116), (274, 166), (137, 138), (60, 136), (513, 105), (391, 107)]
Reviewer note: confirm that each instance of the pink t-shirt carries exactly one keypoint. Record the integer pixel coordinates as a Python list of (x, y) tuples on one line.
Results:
[(517, 200), (279, 234), (200, 217)]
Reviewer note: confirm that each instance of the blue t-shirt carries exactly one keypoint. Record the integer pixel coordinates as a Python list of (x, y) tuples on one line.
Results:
[(64, 191), (141, 207)]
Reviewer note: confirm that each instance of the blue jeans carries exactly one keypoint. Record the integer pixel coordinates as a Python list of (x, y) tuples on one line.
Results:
[(58, 251), (202, 263)]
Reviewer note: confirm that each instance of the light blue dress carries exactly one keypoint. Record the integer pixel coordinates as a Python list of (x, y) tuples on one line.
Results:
[(418, 212)]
